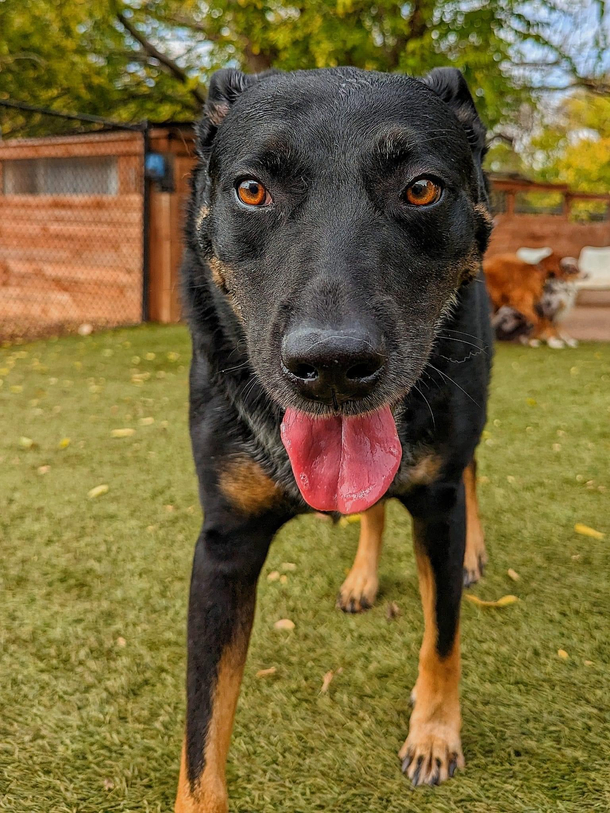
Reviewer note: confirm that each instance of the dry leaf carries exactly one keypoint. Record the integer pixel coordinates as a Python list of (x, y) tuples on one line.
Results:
[(63, 443), (146, 421), (512, 574), (588, 663), (120, 641), (586, 531), (501, 602), (562, 654), (327, 681), (288, 566), (284, 624), (98, 491), (108, 784), (392, 611), (283, 579), (266, 672), (122, 433), (274, 576), (26, 443), (150, 356), (43, 469)]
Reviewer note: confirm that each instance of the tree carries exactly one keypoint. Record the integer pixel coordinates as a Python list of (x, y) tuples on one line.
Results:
[(134, 59), (574, 146)]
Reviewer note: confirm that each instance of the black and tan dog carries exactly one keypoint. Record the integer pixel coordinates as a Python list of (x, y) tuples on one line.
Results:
[(341, 355)]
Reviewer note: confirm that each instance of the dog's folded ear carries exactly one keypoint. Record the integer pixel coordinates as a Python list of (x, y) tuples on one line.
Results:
[(226, 85), (449, 84)]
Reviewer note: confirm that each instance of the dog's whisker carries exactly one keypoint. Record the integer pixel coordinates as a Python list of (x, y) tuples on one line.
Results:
[(448, 377)]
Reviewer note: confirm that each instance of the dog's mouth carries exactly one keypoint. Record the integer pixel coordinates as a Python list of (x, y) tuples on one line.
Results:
[(340, 462)]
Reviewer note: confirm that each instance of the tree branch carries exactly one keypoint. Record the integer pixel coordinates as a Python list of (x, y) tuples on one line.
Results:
[(165, 60)]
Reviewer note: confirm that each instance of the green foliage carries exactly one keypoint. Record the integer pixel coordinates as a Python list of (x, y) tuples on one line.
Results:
[(575, 147), (134, 60)]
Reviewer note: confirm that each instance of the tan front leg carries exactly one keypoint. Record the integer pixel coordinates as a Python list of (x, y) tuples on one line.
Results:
[(432, 751), (208, 793), (359, 590), (475, 557)]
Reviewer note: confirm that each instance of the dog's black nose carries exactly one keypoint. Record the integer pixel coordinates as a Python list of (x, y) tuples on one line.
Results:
[(333, 366)]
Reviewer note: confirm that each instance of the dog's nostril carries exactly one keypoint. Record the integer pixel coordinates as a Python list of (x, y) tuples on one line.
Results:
[(305, 372), (363, 370)]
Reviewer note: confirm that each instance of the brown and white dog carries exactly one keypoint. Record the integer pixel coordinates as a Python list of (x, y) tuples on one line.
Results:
[(539, 285)]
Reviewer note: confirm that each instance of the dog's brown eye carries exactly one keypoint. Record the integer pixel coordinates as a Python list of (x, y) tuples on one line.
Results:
[(253, 193), (423, 192)]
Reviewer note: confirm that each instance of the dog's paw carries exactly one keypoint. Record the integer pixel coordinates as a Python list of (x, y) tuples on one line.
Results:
[(474, 570), (555, 344), (571, 342), (429, 758), (475, 561), (534, 342), (358, 592)]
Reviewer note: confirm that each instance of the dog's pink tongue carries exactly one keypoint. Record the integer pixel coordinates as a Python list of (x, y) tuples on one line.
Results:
[(342, 464)]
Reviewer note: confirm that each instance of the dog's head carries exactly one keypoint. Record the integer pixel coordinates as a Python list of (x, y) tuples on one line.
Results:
[(563, 268), (338, 212)]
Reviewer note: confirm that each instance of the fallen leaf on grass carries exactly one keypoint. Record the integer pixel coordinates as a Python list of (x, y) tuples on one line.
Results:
[(392, 611), (98, 491), (563, 654), (266, 672), (283, 579), (501, 602), (288, 566), (43, 469), (108, 784), (327, 680), (16, 389), (120, 641), (26, 443), (350, 519), (586, 531), (63, 443), (122, 433), (588, 663), (284, 624), (146, 421), (274, 576), (512, 574)]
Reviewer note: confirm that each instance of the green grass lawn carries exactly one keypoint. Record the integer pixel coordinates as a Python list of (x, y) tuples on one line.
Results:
[(94, 591)]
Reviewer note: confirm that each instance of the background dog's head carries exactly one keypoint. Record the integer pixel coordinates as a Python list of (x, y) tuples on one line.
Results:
[(338, 212)]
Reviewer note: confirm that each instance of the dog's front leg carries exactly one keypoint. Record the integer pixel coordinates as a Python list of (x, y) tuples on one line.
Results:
[(228, 558), (432, 751)]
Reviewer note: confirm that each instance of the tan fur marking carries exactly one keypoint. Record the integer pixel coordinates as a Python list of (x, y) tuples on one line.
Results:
[(425, 470), (434, 729), (247, 487), (217, 112), (470, 267), (210, 792), (203, 213), (359, 590), (220, 273), (222, 276), (483, 212), (475, 556)]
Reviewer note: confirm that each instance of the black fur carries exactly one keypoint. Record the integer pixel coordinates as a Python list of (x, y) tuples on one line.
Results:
[(336, 148)]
